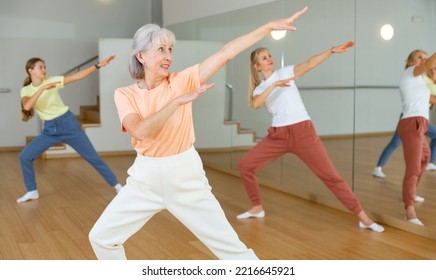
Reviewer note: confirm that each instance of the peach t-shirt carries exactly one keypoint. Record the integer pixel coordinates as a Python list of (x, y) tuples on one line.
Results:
[(177, 134)]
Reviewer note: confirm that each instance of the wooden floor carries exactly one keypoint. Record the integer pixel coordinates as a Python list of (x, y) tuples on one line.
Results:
[(73, 195), (355, 161)]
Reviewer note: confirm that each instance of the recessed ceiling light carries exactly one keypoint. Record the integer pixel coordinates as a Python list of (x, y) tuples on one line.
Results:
[(278, 34), (387, 32)]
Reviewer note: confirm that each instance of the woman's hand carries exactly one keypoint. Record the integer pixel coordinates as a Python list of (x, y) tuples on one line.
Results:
[(286, 23), (50, 86), (184, 99), (106, 61), (343, 48), (260, 99), (284, 83)]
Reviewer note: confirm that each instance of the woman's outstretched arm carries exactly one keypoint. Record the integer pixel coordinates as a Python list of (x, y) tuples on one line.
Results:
[(314, 61), (214, 63), (87, 71)]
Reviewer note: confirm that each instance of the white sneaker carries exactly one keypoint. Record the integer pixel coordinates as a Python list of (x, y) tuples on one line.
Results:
[(416, 221), (378, 172), (247, 215), (32, 195), (118, 187), (431, 167), (374, 227), (419, 198)]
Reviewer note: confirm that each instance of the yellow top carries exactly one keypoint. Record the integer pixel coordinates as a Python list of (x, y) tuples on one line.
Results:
[(49, 104), (431, 84)]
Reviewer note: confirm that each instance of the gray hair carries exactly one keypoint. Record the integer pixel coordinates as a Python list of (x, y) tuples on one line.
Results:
[(147, 38)]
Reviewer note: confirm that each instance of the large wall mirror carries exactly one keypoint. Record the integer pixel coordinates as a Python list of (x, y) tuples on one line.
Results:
[(352, 98)]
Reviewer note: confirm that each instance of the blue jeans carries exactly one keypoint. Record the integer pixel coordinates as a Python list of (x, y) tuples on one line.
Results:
[(64, 129), (396, 141)]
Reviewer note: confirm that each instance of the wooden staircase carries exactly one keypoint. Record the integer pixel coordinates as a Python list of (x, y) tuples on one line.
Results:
[(241, 131), (90, 114)]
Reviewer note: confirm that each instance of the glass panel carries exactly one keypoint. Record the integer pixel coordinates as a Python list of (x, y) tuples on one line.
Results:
[(352, 98), (379, 66), (327, 91)]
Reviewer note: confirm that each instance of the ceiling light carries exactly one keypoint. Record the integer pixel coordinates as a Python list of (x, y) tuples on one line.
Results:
[(387, 32), (278, 34)]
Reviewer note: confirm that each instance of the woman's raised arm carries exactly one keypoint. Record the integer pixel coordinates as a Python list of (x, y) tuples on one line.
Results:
[(214, 63), (87, 71)]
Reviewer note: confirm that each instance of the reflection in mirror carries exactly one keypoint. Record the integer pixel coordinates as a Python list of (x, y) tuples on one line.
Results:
[(352, 98), (327, 91), (379, 67)]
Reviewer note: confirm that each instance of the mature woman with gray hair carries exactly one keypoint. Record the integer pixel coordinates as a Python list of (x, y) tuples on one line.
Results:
[(168, 173)]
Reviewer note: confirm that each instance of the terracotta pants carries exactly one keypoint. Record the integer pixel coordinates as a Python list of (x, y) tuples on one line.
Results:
[(416, 153), (300, 139)]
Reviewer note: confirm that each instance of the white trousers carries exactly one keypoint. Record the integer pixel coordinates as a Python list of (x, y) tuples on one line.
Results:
[(176, 183)]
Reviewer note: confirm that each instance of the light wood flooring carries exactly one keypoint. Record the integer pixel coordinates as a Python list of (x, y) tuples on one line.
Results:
[(355, 161), (73, 195)]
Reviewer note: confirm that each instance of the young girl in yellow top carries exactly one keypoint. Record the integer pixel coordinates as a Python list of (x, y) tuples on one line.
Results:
[(40, 94)]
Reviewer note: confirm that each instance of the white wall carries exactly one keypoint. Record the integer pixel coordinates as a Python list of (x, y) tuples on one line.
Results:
[(372, 62), (67, 34), (64, 33), (176, 11), (380, 62), (208, 109)]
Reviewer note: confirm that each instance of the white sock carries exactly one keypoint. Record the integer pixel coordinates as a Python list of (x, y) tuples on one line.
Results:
[(118, 187)]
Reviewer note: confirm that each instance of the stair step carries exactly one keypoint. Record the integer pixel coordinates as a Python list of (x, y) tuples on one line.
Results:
[(245, 130), (242, 130), (91, 116)]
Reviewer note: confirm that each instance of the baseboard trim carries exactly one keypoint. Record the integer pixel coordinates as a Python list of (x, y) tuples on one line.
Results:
[(11, 149), (102, 154)]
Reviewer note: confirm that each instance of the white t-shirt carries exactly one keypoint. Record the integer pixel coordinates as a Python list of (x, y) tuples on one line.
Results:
[(284, 103), (415, 95)]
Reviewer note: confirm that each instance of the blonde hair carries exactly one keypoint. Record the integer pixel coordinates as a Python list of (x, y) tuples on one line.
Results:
[(411, 57), (147, 38), (30, 64), (253, 79)]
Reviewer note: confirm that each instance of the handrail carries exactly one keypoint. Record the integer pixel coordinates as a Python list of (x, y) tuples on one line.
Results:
[(348, 87), (230, 116), (77, 68)]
